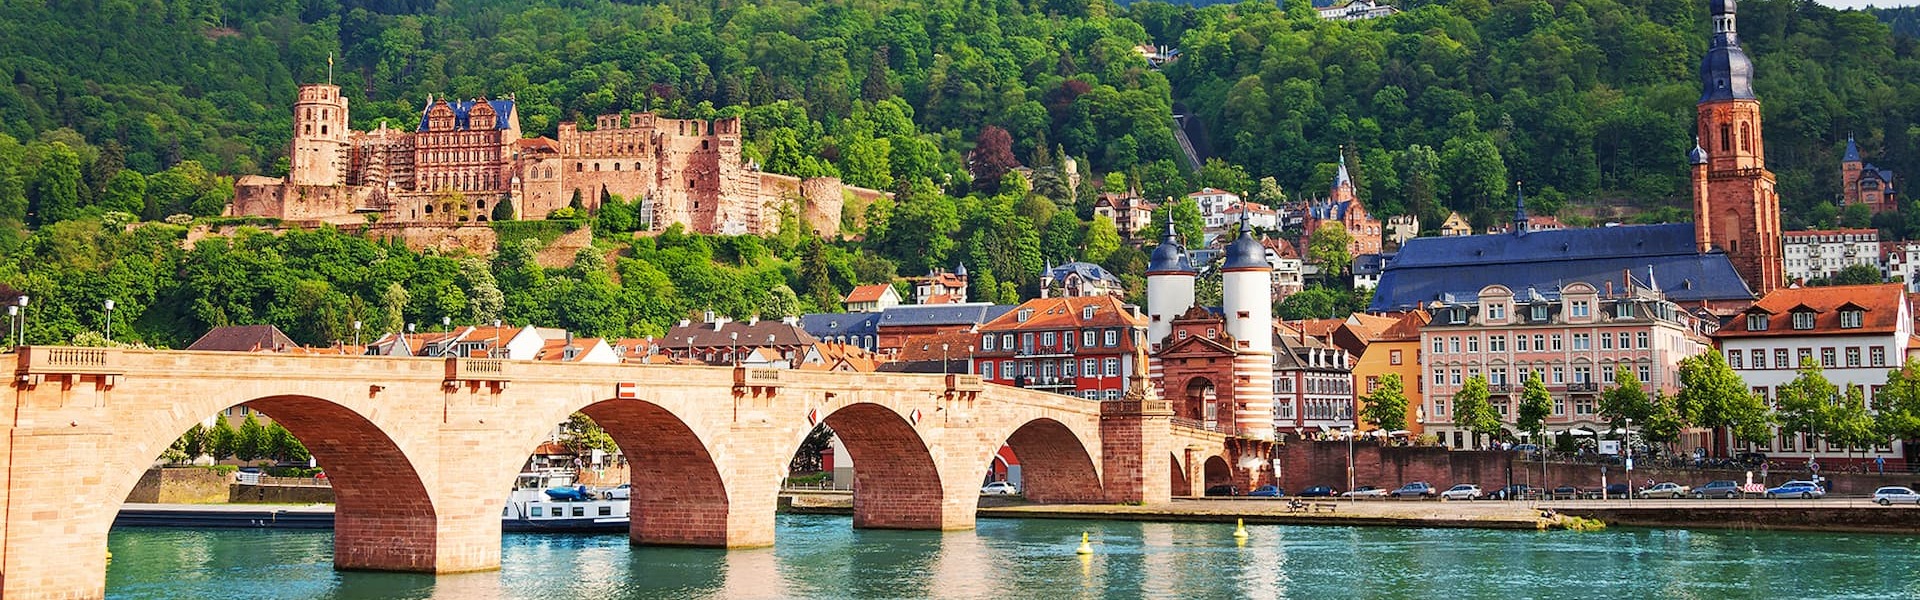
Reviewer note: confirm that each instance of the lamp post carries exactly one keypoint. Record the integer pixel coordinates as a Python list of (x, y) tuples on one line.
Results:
[(1350, 473), (109, 328), (733, 348), (22, 302), (1628, 442), (943, 359), (446, 324), (13, 325), (356, 333)]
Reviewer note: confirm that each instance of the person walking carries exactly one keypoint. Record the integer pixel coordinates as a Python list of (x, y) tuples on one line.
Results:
[(1880, 464)]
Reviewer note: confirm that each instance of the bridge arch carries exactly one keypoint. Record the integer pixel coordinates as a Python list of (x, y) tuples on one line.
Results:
[(678, 496), (1055, 465), (1180, 485), (1216, 471), (896, 483)]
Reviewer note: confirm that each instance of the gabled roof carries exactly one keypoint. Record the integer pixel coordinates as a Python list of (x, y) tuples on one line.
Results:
[(1085, 270), (824, 325), (1407, 328), (502, 114), (243, 338), (751, 333), (1065, 313), (1428, 269), (868, 293), (941, 314), (1881, 303)]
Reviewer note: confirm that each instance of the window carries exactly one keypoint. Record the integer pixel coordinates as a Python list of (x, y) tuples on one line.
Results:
[(1582, 341), (1025, 313), (537, 511), (1556, 342), (1066, 368), (1606, 341), (1046, 370), (1086, 313), (1454, 375), (1606, 374), (986, 343), (1497, 312), (606, 511), (1827, 358), (1805, 355), (1583, 374), (1088, 366), (1112, 367), (1625, 310), (1372, 382), (1497, 376), (1539, 312), (1581, 309), (1047, 339), (1439, 377), (1803, 320), (1026, 368), (1583, 405), (1559, 374), (1473, 344), (1646, 373), (1623, 341), (1006, 341), (1853, 356), (1453, 344), (1393, 357), (1641, 340), (1850, 319), (986, 370), (1439, 347), (1780, 360), (1087, 338), (1878, 355), (1497, 343), (1006, 369), (1539, 343), (1026, 342), (1113, 337), (1733, 358), (1113, 394)]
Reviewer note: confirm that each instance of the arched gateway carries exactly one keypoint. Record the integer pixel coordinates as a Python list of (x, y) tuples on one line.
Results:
[(421, 451)]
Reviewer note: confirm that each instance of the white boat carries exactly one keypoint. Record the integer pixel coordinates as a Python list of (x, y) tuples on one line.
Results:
[(549, 502)]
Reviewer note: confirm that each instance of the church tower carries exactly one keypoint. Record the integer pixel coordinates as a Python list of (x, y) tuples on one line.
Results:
[(1735, 206), (320, 137)]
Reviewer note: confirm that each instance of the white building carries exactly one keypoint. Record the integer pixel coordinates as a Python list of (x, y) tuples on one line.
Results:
[(1822, 253), (1258, 216), (1356, 10), (1902, 260), (1856, 333), (1213, 205)]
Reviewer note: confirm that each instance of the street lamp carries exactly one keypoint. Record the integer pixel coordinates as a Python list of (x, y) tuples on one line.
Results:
[(733, 348), (13, 329), (1350, 480), (446, 324), (109, 327), (1628, 442), (356, 333), (21, 302), (943, 359)]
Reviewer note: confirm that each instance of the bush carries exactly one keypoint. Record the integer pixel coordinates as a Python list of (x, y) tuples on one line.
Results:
[(223, 469)]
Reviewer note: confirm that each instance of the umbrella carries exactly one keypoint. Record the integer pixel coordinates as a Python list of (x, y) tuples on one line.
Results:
[(1580, 432)]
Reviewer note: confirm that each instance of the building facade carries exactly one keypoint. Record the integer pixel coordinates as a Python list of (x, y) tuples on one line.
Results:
[(1216, 371), (941, 286), (1131, 215), (1863, 183), (1312, 384), (1573, 338), (1078, 346), (1395, 351), (1822, 253), (872, 298), (1734, 205), (1854, 333), (466, 157), (1079, 279), (1344, 208)]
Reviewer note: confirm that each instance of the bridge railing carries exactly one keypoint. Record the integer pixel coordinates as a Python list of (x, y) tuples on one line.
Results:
[(70, 360)]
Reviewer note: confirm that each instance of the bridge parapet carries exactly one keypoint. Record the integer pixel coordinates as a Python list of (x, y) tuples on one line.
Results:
[(1148, 408), (68, 364), (476, 372)]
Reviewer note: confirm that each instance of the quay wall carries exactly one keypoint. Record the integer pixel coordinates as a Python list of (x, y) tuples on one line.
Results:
[(242, 493), (180, 486)]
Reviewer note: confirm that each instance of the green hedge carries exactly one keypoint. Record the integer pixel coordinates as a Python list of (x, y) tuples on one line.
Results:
[(511, 232)]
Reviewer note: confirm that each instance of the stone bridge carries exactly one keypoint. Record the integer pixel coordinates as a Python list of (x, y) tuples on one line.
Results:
[(422, 451)]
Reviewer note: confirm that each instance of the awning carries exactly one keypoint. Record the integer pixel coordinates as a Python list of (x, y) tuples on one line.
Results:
[(1580, 432), (1401, 432)]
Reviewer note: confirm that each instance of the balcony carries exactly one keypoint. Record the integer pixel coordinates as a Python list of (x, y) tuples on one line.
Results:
[(1031, 352), (1586, 387)]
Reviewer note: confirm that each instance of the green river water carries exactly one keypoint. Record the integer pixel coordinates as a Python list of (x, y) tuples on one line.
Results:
[(824, 557)]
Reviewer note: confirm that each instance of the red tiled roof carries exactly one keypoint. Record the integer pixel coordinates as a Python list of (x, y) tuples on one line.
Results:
[(868, 293), (1408, 328), (243, 338), (1280, 247), (1881, 303), (540, 144), (1064, 313), (927, 347)]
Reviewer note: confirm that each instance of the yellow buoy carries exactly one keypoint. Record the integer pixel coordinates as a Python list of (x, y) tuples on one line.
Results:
[(1240, 530), (1085, 546)]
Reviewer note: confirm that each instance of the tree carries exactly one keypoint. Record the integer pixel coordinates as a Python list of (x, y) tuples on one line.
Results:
[(56, 189), (1386, 406), (1804, 404), (992, 157), (250, 442), (1850, 425), (582, 436), (1857, 274), (281, 445), (503, 211), (1102, 239), (814, 277), (1472, 411), (1713, 396), (1329, 246), (1896, 407), (220, 439), (126, 192), (1187, 221), (1474, 172), (1315, 302), (1535, 404), (1664, 424), (1626, 400), (194, 442)]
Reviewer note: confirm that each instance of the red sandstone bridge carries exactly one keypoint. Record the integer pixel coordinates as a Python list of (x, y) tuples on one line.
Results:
[(421, 451)]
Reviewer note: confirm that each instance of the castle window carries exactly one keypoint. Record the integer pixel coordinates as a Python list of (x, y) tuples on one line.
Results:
[(1746, 137), (616, 166), (323, 130), (1726, 137), (577, 167)]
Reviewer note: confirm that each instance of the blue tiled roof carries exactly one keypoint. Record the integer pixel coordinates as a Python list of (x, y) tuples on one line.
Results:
[(502, 114), (1086, 270), (941, 314), (1853, 152), (1370, 264), (1430, 268), (825, 325)]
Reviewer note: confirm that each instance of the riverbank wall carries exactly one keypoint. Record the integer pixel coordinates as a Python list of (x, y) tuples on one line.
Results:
[(181, 486)]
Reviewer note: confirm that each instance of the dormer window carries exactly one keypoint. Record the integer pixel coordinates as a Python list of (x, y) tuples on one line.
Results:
[(1539, 312), (1496, 312), (1803, 319), (1851, 319), (1457, 316), (1025, 313), (1086, 313), (1625, 310), (1580, 309), (1756, 322)]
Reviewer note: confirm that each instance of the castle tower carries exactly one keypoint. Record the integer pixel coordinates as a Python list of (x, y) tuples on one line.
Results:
[(1742, 214), (1246, 293), (1850, 165), (1169, 288), (1342, 190), (320, 133)]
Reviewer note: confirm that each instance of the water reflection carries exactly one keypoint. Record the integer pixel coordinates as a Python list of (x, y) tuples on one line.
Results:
[(824, 557)]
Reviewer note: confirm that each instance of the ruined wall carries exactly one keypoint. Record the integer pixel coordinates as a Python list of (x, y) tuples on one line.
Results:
[(473, 239)]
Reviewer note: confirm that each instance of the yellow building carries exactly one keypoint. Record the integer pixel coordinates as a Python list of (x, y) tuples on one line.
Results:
[(1395, 350), (1455, 225)]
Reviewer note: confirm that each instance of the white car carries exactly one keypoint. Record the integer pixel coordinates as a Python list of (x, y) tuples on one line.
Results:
[(1891, 494), (1665, 490), (1464, 491), (999, 488), (1365, 491), (624, 492)]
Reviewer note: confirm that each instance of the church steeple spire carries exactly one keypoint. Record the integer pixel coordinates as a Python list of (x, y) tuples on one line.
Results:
[(1519, 209), (1735, 208)]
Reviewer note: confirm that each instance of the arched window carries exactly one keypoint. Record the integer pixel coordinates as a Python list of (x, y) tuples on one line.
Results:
[(1726, 137), (1746, 137)]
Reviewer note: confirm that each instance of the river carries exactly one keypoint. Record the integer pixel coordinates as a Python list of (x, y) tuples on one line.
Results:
[(824, 557)]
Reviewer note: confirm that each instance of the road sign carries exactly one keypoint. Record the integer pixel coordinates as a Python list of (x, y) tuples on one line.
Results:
[(1609, 446), (627, 391)]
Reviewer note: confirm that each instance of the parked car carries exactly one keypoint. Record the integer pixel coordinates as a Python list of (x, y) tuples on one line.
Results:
[(1417, 489), (1267, 491), (1797, 489), (1464, 491), (1365, 491), (1223, 490), (1891, 494), (1665, 490), (1567, 492), (1720, 488), (622, 492), (1318, 491), (1616, 490), (1512, 492), (999, 488)]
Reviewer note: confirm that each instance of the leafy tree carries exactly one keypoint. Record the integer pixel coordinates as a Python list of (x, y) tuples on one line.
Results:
[(1664, 424), (1472, 411), (1535, 405), (502, 211), (56, 189), (1805, 404), (991, 159), (1625, 400), (1386, 406), (1315, 302), (1222, 175), (1896, 408), (1330, 246), (281, 445), (194, 442), (1187, 221), (1851, 425), (1713, 396), (126, 192), (582, 436), (221, 439), (1857, 274), (1102, 239), (251, 441), (815, 278)]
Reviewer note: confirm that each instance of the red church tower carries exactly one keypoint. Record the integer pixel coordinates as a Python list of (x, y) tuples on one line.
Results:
[(1734, 205)]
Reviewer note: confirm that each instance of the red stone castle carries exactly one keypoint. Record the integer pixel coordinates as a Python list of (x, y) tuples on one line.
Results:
[(466, 157)]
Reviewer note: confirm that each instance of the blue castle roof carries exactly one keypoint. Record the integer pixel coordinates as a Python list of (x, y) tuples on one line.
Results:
[(1432, 268), (502, 114)]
